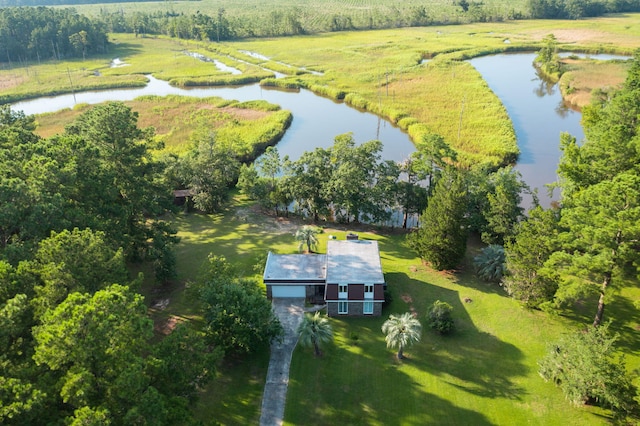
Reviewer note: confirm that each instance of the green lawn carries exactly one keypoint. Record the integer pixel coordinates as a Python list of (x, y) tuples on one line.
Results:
[(486, 373)]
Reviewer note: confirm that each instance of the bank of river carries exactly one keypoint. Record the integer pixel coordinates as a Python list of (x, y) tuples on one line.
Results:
[(316, 120), (536, 108)]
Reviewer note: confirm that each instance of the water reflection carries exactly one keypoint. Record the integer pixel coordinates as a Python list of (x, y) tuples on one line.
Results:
[(538, 114), (316, 120)]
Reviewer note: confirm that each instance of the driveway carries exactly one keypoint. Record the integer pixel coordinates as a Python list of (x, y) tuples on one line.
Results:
[(290, 312)]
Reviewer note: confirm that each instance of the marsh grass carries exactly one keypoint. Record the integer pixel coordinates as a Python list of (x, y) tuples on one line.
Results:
[(382, 72), (378, 71), (585, 76), (246, 128)]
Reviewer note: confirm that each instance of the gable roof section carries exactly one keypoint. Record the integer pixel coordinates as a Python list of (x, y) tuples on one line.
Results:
[(354, 261), (295, 268)]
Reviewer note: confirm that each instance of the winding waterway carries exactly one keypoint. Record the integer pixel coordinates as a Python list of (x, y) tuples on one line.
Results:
[(538, 115), (316, 120), (535, 107)]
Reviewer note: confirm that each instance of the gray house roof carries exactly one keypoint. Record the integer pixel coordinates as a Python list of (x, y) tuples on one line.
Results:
[(354, 261), (295, 267)]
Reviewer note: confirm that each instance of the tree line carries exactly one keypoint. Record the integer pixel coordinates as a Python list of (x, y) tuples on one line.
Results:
[(576, 9), (76, 338), (41, 34), (38, 33)]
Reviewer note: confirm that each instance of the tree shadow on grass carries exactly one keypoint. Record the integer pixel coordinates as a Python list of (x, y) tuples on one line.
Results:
[(625, 321), (364, 385), (469, 359)]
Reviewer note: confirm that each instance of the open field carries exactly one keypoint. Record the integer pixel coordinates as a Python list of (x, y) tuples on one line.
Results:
[(380, 71), (248, 128), (316, 15), (486, 373)]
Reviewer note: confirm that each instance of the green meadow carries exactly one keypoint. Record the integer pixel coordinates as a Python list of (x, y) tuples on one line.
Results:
[(485, 373)]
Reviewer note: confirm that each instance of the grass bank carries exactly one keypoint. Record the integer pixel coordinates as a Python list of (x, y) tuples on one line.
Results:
[(417, 77), (381, 71), (584, 79), (486, 373), (246, 127)]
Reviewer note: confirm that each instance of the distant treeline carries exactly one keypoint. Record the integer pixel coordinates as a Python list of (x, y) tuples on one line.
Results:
[(43, 33), (19, 3), (574, 9)]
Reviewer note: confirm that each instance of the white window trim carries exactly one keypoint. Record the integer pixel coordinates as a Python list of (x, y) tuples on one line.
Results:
[(368, 294), (364, 304), (346, 306), (343, 294)]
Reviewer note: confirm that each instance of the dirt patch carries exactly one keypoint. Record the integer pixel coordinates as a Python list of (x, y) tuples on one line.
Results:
[(7, 82), (573, 35), (167, 326), (245, 114)]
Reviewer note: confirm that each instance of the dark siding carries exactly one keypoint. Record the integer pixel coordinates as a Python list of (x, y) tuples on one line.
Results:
[(378, 292), (356, 292), (332, 292)]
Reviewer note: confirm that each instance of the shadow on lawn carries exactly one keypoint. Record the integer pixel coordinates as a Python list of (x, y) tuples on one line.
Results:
[(346, 388), (469, 359)]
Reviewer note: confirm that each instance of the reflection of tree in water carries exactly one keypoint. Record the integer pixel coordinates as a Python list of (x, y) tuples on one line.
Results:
[(546, 87), (562, 109)]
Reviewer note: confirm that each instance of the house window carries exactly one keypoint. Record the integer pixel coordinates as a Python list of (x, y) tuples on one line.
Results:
[(343, 307), (342, 291), (367, 308), (368, 291)]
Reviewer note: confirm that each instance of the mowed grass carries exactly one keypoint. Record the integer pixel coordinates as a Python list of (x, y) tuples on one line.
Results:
[(243, 237), (485, 373)]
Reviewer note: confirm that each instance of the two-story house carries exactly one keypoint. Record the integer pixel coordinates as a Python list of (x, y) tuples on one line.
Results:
[(348, 278)]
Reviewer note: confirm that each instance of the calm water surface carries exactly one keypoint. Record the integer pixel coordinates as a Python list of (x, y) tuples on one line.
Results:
[(316, 120), (535, 107), (538, 115)]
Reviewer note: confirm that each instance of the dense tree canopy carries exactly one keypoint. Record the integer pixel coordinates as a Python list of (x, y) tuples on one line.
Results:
[(45, 33), (441, 239), (589, 243), (585, 366), (238, 317)]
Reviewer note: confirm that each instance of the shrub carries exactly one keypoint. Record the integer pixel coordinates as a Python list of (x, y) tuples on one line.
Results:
[(489, 264), (439, 317)]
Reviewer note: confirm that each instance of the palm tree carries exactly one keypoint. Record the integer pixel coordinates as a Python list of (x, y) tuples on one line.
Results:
[(307, 236), (402, 331), (314, 330), (489, 264)]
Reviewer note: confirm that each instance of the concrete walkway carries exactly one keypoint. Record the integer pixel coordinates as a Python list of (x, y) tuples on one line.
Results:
[(290, 313)]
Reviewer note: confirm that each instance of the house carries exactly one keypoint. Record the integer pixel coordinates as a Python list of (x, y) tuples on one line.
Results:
[(348, 278)]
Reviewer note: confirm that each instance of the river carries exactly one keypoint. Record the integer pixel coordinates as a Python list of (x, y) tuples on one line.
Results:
[(316, 120), (535, 107)]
